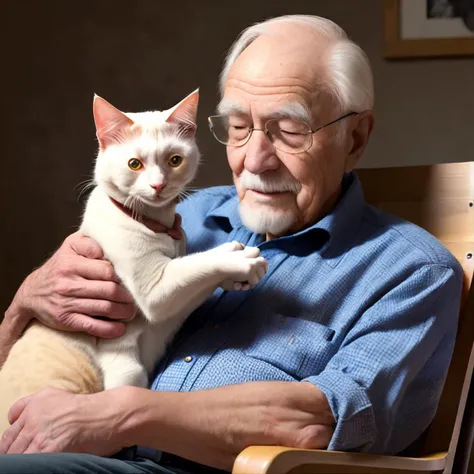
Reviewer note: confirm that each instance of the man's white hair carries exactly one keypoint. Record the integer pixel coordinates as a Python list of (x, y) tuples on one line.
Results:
[(348, 73)]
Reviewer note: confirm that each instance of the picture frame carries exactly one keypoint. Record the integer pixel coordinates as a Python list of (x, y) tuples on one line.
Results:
[(412, 32)]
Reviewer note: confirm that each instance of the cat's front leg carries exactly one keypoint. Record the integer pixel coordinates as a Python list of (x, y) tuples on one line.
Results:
[(186, 282)]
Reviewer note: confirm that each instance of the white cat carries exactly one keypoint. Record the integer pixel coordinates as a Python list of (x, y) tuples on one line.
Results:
[(144, 162)]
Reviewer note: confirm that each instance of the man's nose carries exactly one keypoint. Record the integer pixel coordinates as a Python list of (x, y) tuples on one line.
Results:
[(260, 154)]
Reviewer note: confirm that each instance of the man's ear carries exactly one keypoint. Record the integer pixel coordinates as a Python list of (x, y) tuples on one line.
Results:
[(359, 135)]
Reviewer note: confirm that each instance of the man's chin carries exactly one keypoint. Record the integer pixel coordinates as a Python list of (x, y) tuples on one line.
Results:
[(263, 219)]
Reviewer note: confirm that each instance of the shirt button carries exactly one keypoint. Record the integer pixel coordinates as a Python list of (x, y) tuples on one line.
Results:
[(217, 326), (188, 359)]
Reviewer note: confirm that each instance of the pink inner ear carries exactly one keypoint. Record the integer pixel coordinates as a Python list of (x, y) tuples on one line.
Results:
[(184, 114), (110, 122)]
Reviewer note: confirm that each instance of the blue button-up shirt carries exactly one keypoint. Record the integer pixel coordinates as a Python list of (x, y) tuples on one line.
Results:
[(362, 304)]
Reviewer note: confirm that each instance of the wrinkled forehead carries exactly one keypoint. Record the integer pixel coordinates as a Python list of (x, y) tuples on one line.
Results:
[(278, 75)]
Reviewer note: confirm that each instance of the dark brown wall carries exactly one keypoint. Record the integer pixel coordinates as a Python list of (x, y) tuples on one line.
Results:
[(147, 54)]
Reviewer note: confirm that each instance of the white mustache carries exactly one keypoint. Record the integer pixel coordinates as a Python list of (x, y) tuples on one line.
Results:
[(256, 182)]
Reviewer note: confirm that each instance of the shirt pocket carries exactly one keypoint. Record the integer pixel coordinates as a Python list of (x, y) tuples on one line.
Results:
[(299, 347)]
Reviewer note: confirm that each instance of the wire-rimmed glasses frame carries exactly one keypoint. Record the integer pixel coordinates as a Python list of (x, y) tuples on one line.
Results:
[(287, 148)]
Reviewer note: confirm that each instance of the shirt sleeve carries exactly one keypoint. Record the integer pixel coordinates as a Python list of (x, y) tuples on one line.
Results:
[(384, 383)]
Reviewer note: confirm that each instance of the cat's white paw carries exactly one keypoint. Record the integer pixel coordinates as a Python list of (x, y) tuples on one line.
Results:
[(243, 269), (233, 246)]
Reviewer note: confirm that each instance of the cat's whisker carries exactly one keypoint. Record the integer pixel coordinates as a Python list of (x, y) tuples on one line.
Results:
[(86, 181), (136, 208), (184, 194), (84, 186), (140, 207), (189, 190), (129, 203)]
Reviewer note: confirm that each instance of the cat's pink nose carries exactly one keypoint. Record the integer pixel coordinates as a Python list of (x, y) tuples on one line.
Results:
[(158, 187)]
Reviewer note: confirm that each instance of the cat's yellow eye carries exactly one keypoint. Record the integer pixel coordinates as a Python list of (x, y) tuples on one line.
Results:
[(175, 161), (135, 164)]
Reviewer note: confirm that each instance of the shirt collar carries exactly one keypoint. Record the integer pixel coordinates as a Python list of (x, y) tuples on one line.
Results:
[(343, 221), (339, 226), (228, 210)]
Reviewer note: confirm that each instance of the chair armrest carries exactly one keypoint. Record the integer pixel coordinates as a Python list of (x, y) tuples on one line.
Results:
[(281, 460)]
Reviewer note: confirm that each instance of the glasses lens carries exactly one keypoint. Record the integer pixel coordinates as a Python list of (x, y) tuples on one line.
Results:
[(289, 135), (229, 130)]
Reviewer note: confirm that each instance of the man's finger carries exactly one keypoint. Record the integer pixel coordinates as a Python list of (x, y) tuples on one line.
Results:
[(9, 437), (33, 449), (17, 409), (95, 270), (21, 444), (104, 308), (95, 327), (101, 290), (85, 246)]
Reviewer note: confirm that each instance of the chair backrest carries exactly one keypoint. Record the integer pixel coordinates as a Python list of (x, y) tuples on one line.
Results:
[(439, 198)]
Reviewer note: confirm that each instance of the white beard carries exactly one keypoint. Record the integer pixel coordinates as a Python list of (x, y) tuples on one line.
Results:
[(261, 218), (265, 220)]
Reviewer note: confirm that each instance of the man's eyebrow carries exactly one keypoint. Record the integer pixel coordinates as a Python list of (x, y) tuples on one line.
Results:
[(229, 107), (294, 110)]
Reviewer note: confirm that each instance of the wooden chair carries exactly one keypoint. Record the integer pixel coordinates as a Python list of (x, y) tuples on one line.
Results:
[(439, 198), (464, 458)]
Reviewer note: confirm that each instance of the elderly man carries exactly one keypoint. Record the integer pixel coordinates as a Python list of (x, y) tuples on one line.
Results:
[(346, 342)]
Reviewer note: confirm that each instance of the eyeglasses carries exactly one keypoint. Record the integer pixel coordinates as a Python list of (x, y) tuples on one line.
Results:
[(286, 134)]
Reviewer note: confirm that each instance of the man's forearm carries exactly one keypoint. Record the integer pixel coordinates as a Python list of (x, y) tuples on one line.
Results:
[(14, 323), (212, 426)]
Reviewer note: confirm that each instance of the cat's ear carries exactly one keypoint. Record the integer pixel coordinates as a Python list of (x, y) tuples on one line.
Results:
[(109, 121), (185, 114)]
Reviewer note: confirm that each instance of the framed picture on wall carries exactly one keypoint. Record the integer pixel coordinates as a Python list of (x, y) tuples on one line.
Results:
[(423, 28)]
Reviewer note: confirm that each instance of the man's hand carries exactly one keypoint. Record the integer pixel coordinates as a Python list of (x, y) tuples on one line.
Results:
[(213, 426), (207, 426), (74, 284), (53, 420)]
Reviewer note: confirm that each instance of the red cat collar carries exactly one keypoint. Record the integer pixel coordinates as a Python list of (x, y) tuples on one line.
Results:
[(155, 226)]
